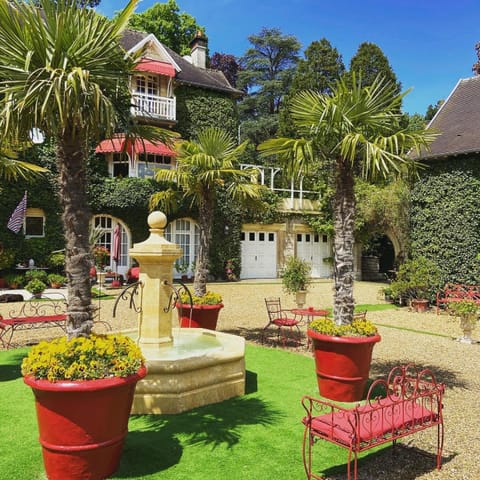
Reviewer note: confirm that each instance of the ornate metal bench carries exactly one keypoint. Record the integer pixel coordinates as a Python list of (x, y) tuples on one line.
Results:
[(39, 313), (411, 402)]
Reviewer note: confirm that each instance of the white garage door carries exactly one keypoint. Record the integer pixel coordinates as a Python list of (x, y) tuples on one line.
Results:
[(259, 255), (314, 248)]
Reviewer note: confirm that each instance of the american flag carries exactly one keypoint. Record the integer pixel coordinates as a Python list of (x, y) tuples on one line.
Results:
[(15, 223)]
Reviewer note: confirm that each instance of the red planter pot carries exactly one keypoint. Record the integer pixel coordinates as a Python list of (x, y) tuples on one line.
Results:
[(203, 316), (419, 305), (342, 365), (83, 424)]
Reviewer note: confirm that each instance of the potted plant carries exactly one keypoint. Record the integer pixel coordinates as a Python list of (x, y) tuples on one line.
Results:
[(343, 354), (36, 274), (56, 280), (417, 281), (296, 278), (467, 311), (181, 266), (14, 280), (35, 287), (199, 311), (83, 391), (101, 256)]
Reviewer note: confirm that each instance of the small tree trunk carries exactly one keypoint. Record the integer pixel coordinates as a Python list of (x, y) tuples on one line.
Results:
[(344, 222), (205, 225), (71, 159)]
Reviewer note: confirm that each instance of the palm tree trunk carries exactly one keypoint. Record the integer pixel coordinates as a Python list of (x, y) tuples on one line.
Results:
[(71, 159), (344, 222), (205, 212)]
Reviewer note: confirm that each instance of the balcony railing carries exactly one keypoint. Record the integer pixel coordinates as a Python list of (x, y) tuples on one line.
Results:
[(154, 106)]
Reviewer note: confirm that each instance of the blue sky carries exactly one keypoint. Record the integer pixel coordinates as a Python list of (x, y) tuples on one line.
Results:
[(430, 43)]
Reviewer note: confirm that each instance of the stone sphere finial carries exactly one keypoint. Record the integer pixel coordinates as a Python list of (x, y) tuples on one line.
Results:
[(157, 220)]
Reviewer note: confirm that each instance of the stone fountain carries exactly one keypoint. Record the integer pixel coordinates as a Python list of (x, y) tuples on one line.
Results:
[(187, 367)]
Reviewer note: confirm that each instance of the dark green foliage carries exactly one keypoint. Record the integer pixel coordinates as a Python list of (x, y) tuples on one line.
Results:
[(322, 66), (269, 212), (225, 244), (41, 193), (370, 62), (126, 199), (445, 219), (198, 109)]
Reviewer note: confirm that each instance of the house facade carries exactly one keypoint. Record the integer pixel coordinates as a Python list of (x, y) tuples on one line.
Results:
[(181, 94)]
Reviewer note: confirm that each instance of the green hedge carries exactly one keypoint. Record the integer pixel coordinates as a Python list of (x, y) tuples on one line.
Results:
[(445, 220)]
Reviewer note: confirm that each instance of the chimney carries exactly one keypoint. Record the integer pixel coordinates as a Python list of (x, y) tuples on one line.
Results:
[(198, 48)]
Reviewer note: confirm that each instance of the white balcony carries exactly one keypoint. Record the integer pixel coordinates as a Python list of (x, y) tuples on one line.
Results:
[(153, 106)]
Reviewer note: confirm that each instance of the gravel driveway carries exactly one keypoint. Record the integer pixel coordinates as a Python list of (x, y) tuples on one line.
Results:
[(427, 339)]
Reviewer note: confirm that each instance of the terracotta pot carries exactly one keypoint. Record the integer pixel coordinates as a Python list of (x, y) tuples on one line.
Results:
[(419, 305), (203, 316), (342, 365), (83, 424)]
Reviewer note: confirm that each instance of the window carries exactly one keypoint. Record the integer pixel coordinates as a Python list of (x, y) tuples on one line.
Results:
[(34, 223), (147, 85), (186, 234), (148, 163), (120, 165)]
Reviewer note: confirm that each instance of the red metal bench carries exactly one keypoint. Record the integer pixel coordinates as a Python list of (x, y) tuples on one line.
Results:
[(456, 292), (411, 402), (39, 313), (33, 314)]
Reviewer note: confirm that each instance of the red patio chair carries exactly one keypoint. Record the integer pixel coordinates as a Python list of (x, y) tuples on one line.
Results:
[(284, 320)]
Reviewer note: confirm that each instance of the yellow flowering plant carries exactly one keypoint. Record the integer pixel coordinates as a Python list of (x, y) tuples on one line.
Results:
[(83, 358), (358, 328), (210, 298)]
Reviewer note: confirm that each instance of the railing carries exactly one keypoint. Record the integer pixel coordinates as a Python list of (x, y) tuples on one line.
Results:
[(267, 177), (154, 106)]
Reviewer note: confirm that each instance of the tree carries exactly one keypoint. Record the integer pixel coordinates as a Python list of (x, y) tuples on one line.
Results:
[(64, 72), (202, 166), (369, 62), (12, 168), (267, 69), (433, 109), (227, 64), (176, 30), (352, 129), (321, 68)]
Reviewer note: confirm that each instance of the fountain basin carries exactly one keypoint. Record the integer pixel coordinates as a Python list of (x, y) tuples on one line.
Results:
[(200, 368)]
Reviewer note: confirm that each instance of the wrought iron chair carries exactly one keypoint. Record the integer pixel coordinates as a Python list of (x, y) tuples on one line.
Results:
[(284, 320)]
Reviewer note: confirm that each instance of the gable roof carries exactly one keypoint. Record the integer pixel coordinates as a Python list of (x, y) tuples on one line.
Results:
[(457, 122), (186, 73)]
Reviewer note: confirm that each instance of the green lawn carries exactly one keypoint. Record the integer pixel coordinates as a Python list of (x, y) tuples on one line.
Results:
[(257, 436)]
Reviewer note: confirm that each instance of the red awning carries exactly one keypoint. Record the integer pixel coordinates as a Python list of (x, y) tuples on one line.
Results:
[(117, 144), (154, 66)]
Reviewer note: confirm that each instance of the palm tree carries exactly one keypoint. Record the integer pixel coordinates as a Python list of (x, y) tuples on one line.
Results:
[(202, 167), (11, 168), (63, 71), (351, 131)]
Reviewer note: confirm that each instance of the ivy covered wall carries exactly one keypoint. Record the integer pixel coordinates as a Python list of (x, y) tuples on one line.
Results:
[(445, 218), (198, 109)]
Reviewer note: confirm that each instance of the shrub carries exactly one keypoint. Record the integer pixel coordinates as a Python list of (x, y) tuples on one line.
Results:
[(35, 286), (35, 274), (296, 275)]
